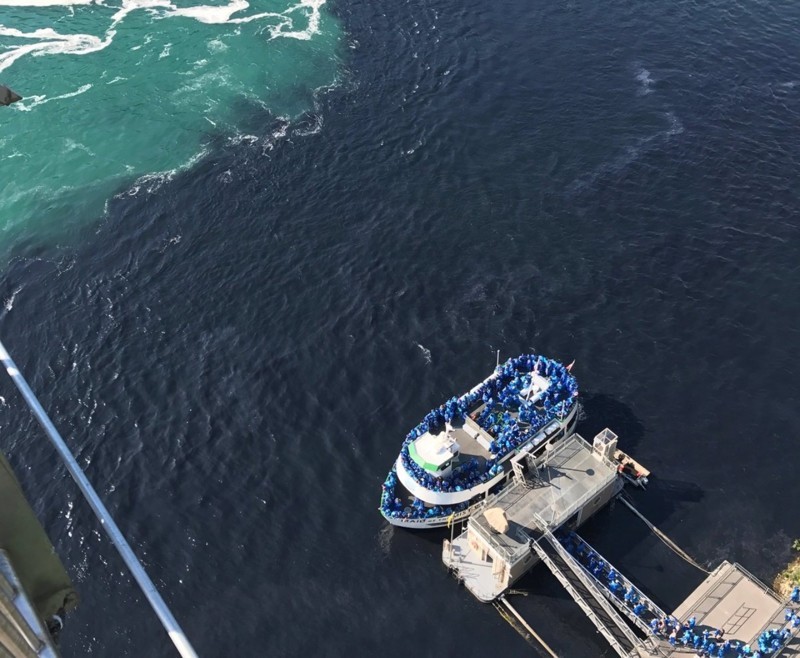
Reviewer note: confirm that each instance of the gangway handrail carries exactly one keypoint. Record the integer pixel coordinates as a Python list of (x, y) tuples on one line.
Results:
[(593, 591), (161, 609), (619, 605), (589, 582), (601, 627), (793, 630), (656, 610)]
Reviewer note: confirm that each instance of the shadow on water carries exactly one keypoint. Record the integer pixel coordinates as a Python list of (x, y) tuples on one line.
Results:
[(664, 498), (601, 411)]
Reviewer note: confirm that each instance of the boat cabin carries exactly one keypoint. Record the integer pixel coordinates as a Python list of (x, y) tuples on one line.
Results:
[(435, 452)]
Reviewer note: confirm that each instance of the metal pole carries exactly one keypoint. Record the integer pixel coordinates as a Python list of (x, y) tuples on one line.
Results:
[(169, 623)]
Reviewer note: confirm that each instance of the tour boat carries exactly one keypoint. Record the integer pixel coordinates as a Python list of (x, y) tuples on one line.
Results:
[(473, 445)]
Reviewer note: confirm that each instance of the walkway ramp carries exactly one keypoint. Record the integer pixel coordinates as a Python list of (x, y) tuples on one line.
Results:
[(578, 546), (589, 596)]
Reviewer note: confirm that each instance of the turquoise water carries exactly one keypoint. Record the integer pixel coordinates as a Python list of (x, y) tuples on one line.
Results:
[(121, 95)]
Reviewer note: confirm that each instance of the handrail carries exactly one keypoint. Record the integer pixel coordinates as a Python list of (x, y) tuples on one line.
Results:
[(658, 612), (583, 603), (767, 589), (591, 583), (564, 512), (163, 612)]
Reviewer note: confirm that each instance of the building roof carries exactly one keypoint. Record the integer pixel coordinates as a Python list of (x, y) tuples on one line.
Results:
[(431, 451)]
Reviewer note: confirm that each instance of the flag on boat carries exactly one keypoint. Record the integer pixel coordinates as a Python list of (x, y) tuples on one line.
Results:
[(569, 367), (450, 519)]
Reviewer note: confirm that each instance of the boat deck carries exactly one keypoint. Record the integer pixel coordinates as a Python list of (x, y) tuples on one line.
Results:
[(469, 446)]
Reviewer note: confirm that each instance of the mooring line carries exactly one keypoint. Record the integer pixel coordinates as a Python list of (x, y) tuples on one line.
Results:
[(525, 625), (670, 544)]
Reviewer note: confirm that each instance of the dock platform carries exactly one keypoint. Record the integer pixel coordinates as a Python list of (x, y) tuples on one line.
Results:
[(566, 484), (733, 600), (534, 519)]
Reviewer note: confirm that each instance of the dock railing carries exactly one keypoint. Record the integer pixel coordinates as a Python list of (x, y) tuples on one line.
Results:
[(560, 515), (766, 588), (623, 630)]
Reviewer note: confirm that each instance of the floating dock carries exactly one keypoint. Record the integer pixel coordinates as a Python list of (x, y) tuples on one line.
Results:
[(569, 482), (534, 520)]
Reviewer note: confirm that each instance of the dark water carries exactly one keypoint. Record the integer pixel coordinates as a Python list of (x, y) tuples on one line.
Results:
[(237, 356)]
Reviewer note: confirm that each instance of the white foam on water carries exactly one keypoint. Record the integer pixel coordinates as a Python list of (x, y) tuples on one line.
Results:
[(29, 103), (312, 10), (217, 46), (242, 139), (132, 5), (150, 183), (51, 42), (72, 145), (279, 133), (44, 3), (213, 15), (9, 303), (425, 352), (645, 80), (312, 128), (165, 51)]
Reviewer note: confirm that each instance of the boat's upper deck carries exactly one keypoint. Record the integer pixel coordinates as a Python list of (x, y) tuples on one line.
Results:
[(468, 436)]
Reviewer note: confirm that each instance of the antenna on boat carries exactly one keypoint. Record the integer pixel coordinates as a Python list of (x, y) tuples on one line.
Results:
[(498, 359), (169, 623)]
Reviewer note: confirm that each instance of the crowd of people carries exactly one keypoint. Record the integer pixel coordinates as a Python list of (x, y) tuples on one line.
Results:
[(707, 642), (501, 395), (395, 508), (462, 477)]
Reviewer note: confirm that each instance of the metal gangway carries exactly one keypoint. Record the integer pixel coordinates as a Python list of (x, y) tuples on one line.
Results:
[(588, 594), (641, 621)]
